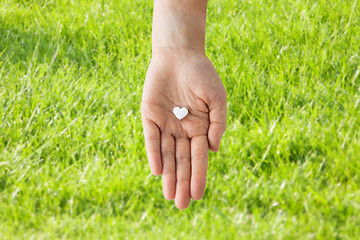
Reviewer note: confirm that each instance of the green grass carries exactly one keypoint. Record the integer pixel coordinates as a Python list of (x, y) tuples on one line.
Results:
[(72, 157)]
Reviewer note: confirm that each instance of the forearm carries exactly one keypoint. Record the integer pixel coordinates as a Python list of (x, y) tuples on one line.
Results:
[(179, 24)]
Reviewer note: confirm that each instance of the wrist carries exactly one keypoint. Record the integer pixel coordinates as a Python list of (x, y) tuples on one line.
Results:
[(179, 25), (175, 57), (177, 52)]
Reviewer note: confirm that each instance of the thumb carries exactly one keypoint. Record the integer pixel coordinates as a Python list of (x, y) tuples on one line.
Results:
[(217, 116)]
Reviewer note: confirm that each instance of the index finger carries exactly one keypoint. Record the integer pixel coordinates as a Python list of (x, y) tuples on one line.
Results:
[(199, 165)]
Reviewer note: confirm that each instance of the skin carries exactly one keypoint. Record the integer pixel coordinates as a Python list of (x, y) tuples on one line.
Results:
[(181, 75)]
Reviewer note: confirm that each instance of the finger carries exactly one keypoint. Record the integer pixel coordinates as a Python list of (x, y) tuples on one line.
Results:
[(168, 161), (199, 165), (152, 143), (182, 196), (216, 130), (217, 126)]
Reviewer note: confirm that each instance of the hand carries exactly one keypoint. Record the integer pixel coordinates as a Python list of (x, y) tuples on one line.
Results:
[(178, 149)]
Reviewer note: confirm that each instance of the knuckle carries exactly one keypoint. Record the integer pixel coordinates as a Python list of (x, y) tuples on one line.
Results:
[(152, 138), (198, 158), (182, 159), (167, 174), (167, 154), (183, 180), (153, 153)]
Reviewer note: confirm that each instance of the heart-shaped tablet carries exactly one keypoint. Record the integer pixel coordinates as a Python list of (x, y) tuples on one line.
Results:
[(180, 113)]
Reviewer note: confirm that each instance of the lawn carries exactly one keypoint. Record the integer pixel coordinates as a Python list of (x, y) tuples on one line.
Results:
[(72, 157)]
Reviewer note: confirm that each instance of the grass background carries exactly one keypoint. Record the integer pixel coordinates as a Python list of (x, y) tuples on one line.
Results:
[(72, 157)]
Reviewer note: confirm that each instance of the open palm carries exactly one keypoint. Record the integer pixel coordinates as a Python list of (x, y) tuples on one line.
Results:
[(178, 149)]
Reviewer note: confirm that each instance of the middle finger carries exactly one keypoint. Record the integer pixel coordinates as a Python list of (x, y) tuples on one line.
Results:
[(183, 172)]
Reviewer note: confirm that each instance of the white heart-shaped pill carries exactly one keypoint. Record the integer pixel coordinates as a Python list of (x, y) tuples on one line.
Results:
[(180, 113)]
